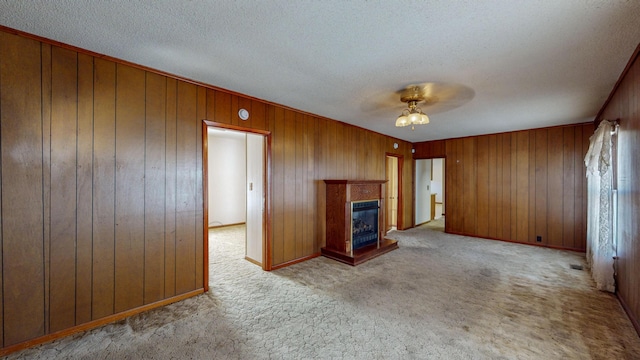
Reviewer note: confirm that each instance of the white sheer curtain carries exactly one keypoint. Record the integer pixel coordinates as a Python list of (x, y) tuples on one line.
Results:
[(600, 245)]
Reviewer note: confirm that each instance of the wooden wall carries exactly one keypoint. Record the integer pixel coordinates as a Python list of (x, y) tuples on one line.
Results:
[(624, 104), (307, 150), (516, 186), (101, 188), (101, 183)]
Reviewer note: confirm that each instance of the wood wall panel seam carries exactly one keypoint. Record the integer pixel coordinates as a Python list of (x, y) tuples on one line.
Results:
[(170, 199), (514, 185), (2, 35), (46, 93)]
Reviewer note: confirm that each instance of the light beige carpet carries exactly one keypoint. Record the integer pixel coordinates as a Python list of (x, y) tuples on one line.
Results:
[(438, 296), (435, 224)]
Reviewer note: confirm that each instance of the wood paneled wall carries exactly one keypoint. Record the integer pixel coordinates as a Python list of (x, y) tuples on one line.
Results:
[(307, 150), (430, 149), (624, 104), (517, 186), (101, 188), (101, 183)]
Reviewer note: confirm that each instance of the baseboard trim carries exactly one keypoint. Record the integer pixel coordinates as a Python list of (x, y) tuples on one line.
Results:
[(253, 261), (292, 262), (518, 242), (425, 222), (630, 315), (96, 323), (224, 226)]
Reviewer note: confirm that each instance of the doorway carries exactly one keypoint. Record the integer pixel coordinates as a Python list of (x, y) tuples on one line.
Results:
[(236, 163), (393, 192), (429, 191)]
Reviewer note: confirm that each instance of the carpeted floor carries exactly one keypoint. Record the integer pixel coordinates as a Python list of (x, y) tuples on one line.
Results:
[(439, 296), (435, 224)]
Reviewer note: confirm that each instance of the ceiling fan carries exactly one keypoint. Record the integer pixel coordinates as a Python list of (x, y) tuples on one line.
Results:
[(447, 96), (431, 97), (412, 115)]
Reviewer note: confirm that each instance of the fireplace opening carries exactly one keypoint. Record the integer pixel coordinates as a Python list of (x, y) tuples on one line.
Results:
[(364, 226)]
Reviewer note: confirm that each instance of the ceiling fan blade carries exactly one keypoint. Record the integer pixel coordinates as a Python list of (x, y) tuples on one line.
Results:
[(442, 97), (382, 102)]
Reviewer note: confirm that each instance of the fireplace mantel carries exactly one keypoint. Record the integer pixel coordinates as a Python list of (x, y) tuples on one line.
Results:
[(341, 195)]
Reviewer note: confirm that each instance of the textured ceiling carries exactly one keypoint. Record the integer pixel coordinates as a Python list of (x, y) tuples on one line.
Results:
[(531, 63)]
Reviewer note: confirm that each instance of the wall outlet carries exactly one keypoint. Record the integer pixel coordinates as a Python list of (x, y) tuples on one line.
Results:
[(539, 238)]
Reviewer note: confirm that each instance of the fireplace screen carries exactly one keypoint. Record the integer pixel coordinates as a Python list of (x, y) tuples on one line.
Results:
[(364, 226)]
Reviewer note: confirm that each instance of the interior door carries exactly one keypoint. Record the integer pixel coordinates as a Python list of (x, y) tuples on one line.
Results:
[(255, 197), (423, 194)]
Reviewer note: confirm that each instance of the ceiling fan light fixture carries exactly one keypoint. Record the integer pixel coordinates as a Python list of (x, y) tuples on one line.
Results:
[(413, 115), (424, 119), (402, 120), (415, 118)]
